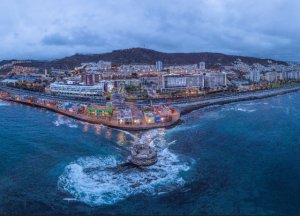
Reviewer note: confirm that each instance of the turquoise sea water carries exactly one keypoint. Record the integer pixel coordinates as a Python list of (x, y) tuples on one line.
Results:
[(241, 158)]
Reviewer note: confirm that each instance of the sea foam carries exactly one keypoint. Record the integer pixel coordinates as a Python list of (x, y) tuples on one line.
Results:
[(64, 121), (93, 180)]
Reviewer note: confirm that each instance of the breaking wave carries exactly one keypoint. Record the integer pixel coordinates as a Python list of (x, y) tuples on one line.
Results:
[(245, 110), (240, 108), (64, 121), (96, 181), (247, 107)]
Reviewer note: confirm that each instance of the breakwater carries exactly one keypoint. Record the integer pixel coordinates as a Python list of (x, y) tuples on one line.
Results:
[(186, 108)]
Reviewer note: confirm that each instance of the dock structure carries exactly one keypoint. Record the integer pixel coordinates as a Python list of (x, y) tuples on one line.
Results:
[(143, 155)]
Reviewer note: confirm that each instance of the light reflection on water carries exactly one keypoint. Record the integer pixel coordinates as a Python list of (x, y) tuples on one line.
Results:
[(86, 127), (108, 133), (121, 138), (235, 171), (98, 129)]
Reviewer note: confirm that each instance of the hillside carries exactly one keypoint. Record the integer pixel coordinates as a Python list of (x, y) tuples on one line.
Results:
[(147, 56)]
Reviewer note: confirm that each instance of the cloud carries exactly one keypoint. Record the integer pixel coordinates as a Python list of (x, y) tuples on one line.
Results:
[(76, 38), (55, 28)]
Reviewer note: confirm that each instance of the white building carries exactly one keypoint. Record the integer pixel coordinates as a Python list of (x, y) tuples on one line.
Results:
[(202, 65), (159, 65), (215, 80), (174, 82), (106, 65), (293, 75), (76, 90), (55, 71), (183, 68), (270, 76), (254, 75), (138, 68)]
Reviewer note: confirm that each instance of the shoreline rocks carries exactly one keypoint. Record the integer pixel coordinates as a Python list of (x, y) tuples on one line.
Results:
[(143, 155)]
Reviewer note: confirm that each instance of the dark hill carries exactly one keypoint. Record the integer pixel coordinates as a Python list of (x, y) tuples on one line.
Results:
[(147, 56)]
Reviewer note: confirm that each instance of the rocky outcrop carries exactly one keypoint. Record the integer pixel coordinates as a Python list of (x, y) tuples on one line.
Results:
[(143, 155)]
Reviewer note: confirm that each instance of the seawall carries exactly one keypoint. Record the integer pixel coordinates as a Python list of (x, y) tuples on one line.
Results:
[(189, 107)]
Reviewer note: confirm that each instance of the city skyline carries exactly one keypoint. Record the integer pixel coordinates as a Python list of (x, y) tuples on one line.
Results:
[(53, 29)]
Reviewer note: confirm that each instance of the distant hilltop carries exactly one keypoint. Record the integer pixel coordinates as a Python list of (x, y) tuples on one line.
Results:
[(147, 56)]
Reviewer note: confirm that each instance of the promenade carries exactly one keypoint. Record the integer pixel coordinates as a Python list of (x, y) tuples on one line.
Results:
[(143, 125)]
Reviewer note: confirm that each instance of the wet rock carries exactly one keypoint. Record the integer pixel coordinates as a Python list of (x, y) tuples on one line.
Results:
[(143, 155)]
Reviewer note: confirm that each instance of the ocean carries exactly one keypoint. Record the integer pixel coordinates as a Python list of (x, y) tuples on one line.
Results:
[(241, 158)]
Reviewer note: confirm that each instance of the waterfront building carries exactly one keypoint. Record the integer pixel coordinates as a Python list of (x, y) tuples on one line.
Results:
[(270, 76), (93, 78), (215, 80), (254, 75), (100, 110), (293, 75), (159, 66), (176, 82), (124, 116), (62, 89), (279, 76)]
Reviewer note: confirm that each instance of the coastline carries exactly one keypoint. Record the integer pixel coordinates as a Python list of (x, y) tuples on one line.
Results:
[(186, 108), (92, 120)]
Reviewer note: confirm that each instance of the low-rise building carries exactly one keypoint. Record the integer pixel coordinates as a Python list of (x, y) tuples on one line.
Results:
[(62, 89), (138, 68), (20, 70)]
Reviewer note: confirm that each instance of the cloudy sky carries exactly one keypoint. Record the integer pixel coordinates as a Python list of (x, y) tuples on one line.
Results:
[(47, 29)]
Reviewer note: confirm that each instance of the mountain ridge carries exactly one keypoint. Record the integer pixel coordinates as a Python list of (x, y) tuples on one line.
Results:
[(148, 56)]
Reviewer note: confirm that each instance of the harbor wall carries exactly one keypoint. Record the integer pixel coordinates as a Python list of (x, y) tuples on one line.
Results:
[(189, 107)]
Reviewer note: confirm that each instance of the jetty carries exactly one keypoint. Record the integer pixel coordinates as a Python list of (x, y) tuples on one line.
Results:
[(186, 108)]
